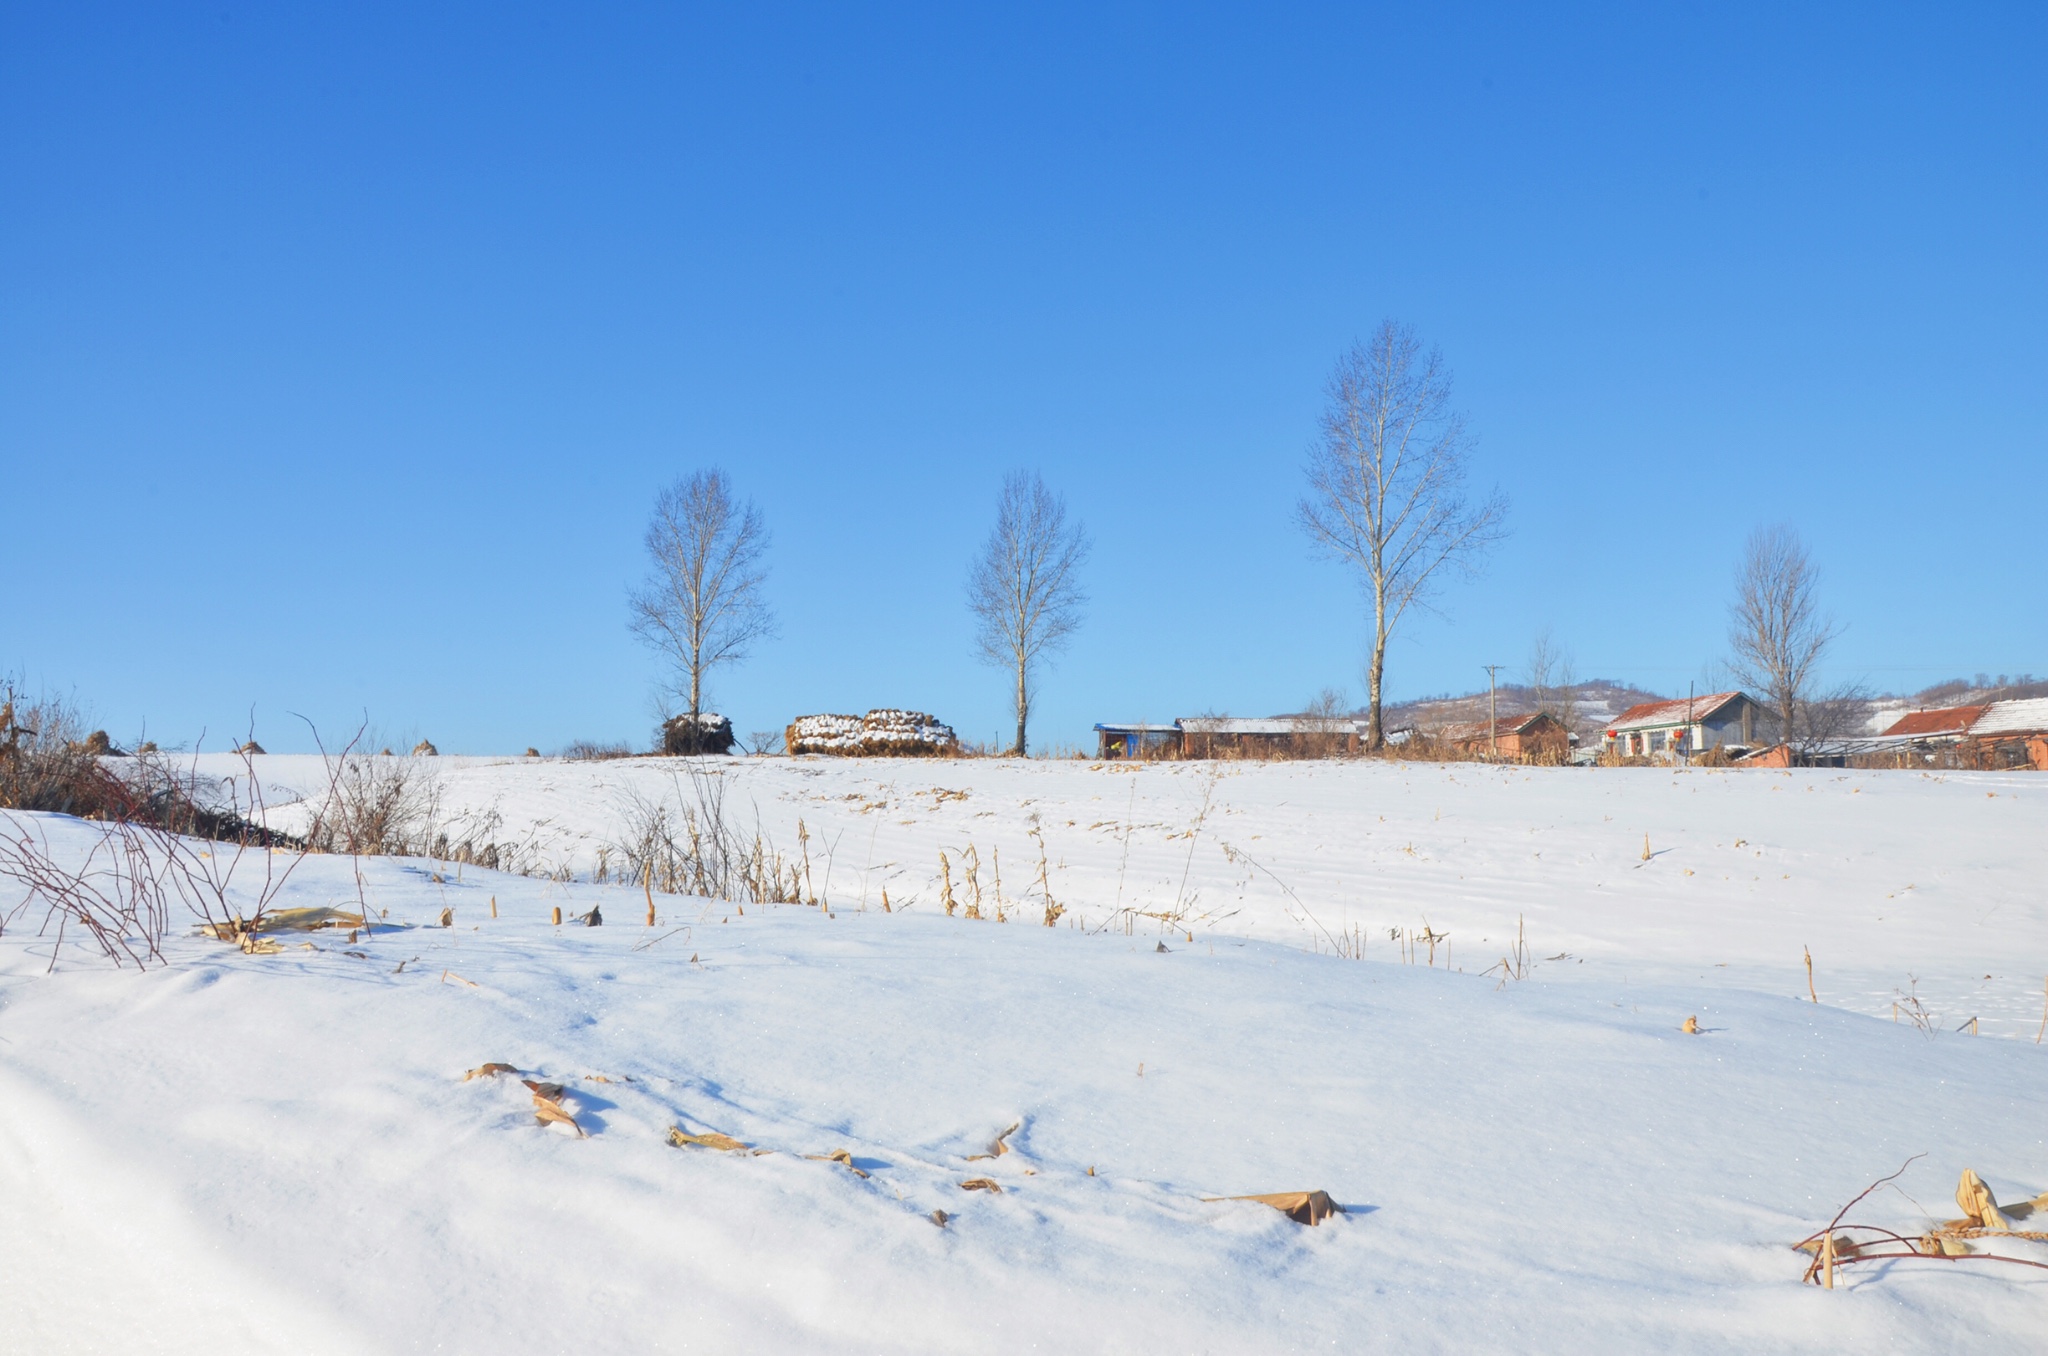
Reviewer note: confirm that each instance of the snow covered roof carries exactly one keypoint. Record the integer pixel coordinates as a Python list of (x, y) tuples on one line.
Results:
[(1274, 725), (1948, 720), (2026, 716), (1135, 727), (1678, 711)]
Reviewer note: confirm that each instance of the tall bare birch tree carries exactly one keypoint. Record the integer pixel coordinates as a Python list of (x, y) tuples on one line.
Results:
[(1386, 486), (701, 604), (1776, 628), (1022, 588)]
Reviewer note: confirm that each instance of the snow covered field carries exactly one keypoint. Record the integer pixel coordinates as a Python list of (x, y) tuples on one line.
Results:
[(279, 1152)]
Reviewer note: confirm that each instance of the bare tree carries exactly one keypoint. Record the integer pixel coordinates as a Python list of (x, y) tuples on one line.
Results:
[(1022, 588), (1776, 628), (1322, 728), (701, 604), (1552, 682), (1386, 481)]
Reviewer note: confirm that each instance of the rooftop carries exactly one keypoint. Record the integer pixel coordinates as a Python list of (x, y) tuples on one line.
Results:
[(1677, 711), (1271, 725), (2026, 716), (1947, 720), (1503, 726)]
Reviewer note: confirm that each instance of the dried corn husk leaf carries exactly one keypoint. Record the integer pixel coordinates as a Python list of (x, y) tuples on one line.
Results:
[(549, 1112), (1978, 1204), (838, 1156), (939, 1217), (1303, 1207), (710, 1139), (997, 1147), (252, 945), (489, 1071), (1845, 1246), (304, 920), (2025, 1208), (980, 1184), (551, 1092), (1691, 1026)]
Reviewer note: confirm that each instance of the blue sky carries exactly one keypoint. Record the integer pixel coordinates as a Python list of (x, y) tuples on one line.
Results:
[(342, 351)]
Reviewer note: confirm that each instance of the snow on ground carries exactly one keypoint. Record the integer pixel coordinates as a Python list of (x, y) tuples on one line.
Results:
[(1898, 883), (279, 1153)]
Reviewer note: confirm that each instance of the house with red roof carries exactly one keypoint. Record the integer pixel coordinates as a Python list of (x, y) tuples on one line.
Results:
[(1994, 735), (1946, 725), (1691, 725), (1531, 734)]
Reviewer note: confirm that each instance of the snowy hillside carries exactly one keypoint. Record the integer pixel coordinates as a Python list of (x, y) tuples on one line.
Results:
[(280, 1152), (1886, 876), (1596, 702)]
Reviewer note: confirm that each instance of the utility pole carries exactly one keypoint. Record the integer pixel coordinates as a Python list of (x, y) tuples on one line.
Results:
[(1492, 709), (1689, 687)]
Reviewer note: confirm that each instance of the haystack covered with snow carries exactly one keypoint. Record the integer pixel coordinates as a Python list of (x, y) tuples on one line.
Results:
[(709, 733), (883, 732)]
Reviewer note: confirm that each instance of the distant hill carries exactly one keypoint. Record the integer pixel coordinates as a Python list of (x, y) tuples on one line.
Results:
[(1593, 703), (1984, 688)]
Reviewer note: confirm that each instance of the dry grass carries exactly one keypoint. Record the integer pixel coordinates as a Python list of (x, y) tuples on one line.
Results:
[(689, 843), (592, 751)]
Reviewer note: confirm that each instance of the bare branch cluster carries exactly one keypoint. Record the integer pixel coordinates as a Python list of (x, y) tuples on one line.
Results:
[(378, 805), (115, 896)]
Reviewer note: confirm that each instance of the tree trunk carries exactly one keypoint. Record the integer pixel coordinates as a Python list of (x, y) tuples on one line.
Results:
[(1023, 709), (1375, 731), (1375, 727)]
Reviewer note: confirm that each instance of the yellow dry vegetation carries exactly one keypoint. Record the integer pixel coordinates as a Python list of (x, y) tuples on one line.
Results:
[(710, 1139)]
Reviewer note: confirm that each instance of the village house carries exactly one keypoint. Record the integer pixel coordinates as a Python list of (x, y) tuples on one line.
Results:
[(1535, 735), (1691, 725), (1992, 735), (1947, 725)]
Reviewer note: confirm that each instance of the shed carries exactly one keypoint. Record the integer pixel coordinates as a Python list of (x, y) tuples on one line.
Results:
[(1137, 740), (1268, 737)]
